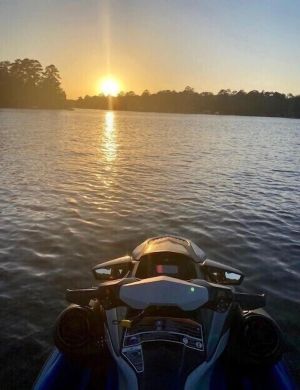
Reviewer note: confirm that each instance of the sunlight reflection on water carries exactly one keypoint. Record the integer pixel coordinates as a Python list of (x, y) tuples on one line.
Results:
[(109, 144)]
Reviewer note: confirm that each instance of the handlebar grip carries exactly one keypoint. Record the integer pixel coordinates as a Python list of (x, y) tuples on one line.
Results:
[(250, 301), (81, 296)]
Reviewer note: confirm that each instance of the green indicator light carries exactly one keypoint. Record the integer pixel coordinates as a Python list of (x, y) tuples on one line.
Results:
[(192, 289)]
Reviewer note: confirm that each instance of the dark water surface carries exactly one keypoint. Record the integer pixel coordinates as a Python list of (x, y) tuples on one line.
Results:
[(80, 187)]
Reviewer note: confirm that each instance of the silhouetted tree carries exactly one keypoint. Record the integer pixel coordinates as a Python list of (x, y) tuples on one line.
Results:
[(24, 83), (188, 89), (50, 90)]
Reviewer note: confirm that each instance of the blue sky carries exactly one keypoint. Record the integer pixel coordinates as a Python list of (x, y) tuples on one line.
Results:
[(206, 44)]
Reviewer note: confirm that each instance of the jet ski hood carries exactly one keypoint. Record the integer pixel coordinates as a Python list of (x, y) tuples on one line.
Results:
[(172, 244)]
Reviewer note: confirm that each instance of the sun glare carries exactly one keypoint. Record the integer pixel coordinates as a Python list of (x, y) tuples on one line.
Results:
[(109, 86)]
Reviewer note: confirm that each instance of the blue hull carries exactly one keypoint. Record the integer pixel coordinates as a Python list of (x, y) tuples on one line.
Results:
[(60, 372)]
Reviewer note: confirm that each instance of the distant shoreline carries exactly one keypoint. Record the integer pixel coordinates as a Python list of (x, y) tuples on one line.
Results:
[(145, 112), (226, 102), (186, 113), (39, 108)]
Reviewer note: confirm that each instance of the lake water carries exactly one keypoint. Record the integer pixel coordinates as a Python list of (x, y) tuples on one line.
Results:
[(79, 187)]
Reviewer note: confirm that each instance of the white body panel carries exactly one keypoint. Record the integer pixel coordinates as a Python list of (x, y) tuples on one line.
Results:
[(164, 291)]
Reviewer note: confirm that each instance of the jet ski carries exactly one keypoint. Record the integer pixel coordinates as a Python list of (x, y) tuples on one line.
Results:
[(165, 317)]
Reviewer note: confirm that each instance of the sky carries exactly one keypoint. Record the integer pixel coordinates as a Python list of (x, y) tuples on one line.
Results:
[(155, 45)]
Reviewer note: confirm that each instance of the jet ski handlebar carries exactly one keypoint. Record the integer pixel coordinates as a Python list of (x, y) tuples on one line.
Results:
[(220, 298)]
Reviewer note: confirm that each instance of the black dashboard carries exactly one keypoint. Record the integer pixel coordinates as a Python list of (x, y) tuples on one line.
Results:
[(181, 335)]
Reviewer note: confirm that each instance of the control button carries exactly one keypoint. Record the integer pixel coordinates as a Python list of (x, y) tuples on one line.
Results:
[(159, 325)]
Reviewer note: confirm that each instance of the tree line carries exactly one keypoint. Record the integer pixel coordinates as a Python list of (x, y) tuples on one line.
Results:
[(226, 102), (25, 83)]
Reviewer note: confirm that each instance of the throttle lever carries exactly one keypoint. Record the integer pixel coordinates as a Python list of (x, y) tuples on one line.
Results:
[(250, 301)]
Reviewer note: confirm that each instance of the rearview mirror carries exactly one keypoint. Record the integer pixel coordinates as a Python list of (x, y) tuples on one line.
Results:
[(221, 274), (103, 273), (113, 269), (233, 277)]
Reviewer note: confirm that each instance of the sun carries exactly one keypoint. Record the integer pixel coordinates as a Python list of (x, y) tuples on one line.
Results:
[(109, 86)]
